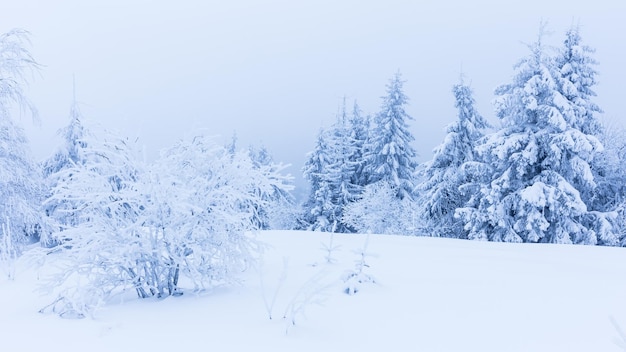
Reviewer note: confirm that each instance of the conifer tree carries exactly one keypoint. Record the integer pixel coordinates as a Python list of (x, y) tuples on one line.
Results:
[(72, 152), (443, 191), (359, 133), (319, 211), (389, 156), (332, 173), (577, 78), (576, 75), (530, 197)]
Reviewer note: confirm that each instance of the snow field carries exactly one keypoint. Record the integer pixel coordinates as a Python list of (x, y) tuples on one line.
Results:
[(430, 294)]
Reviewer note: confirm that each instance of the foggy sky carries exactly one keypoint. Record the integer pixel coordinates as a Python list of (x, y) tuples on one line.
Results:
[(276, 71)]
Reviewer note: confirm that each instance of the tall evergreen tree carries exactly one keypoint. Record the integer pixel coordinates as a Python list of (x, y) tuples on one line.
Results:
[(576, 75), (359, 133), (390, 156), (319, 211), (332, 171), (443, 191), (72, 152), (343, 168), (577, 79), (530, 197)]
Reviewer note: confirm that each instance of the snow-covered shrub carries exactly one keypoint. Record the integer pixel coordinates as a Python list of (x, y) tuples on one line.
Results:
[(21, 187), (380, 211), (16, 63), (191, 215)]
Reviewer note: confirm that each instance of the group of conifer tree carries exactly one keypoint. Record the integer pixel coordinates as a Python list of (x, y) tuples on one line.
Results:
[(548, 172)]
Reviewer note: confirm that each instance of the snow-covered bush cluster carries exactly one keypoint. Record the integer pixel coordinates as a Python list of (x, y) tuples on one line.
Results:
[(124, 225)]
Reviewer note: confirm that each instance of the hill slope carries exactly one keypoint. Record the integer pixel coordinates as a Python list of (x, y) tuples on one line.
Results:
[(430, 295)]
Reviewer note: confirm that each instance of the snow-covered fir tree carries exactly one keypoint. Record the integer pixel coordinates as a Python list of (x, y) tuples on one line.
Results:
[(318, 211), (74, 142), (342, 170), (72, 152), (448, 177), (389, 155), (576, 75), (334, 171), (577, 79), (91, 194), (359, 133), (535, 156)]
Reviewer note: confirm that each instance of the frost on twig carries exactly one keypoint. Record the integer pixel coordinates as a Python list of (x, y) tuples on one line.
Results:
[(314, 291), (269, 305), (358, 276), (329, 248)]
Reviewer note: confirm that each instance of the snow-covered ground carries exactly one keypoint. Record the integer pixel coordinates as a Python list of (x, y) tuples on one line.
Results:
[(430, 295)]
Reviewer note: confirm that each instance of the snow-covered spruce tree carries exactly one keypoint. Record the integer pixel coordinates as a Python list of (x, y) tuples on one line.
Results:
[(531, 197), (389, 155), (577, 78), (448, 178), (359, 126), (71, 153), (331, 171), (343, 168), (21, 187), (319, 211), (576, 81)]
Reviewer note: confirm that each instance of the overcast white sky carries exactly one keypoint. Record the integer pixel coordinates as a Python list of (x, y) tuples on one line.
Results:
[(276, 71)]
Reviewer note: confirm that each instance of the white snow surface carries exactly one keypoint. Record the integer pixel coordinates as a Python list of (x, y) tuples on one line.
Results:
[(431, 294)]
